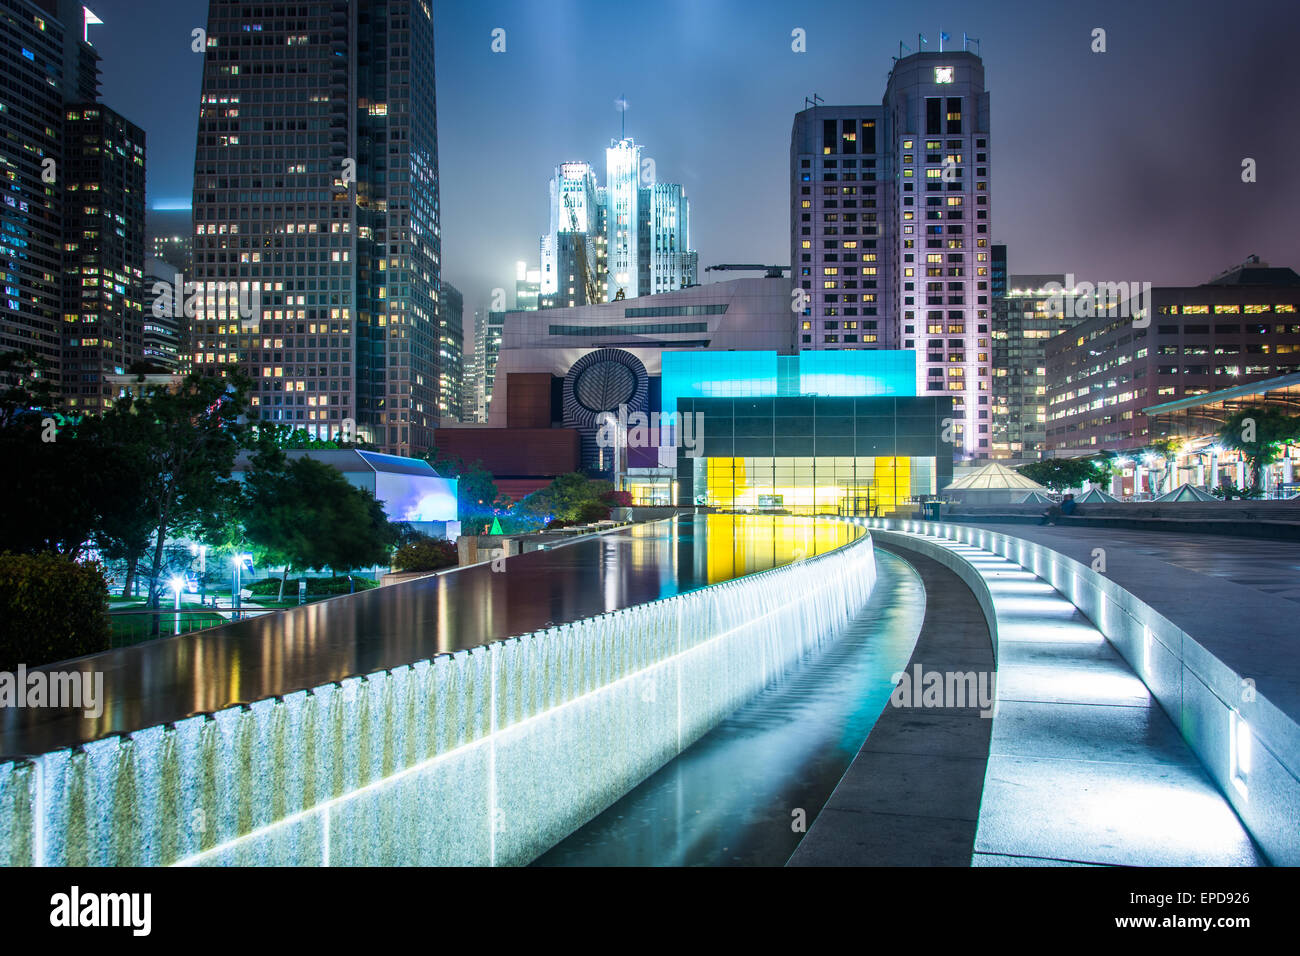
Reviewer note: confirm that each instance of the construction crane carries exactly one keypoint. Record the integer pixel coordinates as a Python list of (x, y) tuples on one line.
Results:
[(773, 272), (589, 286)]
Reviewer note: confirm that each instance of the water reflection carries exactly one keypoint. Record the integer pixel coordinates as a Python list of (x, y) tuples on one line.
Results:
[(728, 799)]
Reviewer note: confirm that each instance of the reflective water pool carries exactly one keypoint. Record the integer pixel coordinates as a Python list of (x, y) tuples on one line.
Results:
[(734, 798)]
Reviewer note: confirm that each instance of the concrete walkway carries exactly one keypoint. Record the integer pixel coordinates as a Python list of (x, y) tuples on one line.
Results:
[(911, 797), (1084, 766)]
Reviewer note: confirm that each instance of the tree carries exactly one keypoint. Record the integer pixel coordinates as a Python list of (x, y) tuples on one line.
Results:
[(1060, 474), (478, 500), (566, 498), (52, 480), (186, 440), (1258, 432), (302, 513)]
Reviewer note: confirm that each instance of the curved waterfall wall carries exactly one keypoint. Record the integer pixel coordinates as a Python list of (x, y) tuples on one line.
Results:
[(485, 756)]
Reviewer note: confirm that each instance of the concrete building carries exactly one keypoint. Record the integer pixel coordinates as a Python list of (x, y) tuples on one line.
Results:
[(889, 217), (1240, 327), (318, 200)]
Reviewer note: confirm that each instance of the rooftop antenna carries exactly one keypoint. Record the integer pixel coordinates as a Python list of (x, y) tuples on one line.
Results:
[(812, 102), (621, 105)]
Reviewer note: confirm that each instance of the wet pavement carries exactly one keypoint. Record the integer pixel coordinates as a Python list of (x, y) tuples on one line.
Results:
[(276, 654)]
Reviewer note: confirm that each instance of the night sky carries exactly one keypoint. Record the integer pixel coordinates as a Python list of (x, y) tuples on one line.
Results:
[(1117, 166)]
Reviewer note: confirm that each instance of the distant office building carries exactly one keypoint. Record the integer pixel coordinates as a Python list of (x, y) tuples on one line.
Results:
[(493, 330), (164, 329), (889, 219), (1241, 327), (1023, 321), (570, 243), (173, 250), (316, 194), (528, 287), (451, 363), (471, 402), (633, 233), (623, 212), (104, 211), (72, 220)]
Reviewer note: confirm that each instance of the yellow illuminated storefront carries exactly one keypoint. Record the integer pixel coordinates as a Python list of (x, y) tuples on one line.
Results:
[(804, 486)]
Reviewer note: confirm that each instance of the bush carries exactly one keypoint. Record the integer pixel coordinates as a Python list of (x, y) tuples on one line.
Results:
[(270, 587), (51, 609), (593, 511), (426, 554)]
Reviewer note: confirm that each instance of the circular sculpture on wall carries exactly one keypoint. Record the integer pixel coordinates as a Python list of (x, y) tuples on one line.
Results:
[(600, 382)]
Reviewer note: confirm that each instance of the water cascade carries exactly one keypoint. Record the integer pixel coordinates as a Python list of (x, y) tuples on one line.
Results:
[(485, 756)]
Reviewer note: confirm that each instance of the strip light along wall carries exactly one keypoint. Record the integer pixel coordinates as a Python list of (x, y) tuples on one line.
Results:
[(486, 756)]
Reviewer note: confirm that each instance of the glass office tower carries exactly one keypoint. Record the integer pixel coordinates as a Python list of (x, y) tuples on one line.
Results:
[(316, 194)]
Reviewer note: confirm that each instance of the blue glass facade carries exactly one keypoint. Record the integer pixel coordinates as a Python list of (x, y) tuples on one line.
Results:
[(766, 374)]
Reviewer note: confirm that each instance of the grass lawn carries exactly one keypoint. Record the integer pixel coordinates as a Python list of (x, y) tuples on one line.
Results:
[(127, 629)]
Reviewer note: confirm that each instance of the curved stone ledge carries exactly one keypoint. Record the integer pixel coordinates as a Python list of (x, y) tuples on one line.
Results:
[(1223, 718), (485, 756)]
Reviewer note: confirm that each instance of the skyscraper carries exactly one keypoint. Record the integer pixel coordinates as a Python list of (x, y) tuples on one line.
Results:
[(451, 363), (890, 217), (72, 218), (571, 243), (623, 217), (316, 194), (103, 263)]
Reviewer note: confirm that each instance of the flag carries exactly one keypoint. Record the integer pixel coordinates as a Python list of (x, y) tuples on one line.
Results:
[(943, 36)]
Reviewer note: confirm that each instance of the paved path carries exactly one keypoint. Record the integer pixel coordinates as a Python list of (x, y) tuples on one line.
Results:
[(1236, 596), (1084, 766), (911, 797)]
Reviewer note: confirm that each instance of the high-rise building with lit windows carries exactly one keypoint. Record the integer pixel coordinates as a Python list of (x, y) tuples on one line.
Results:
[(103, 254), (889, 237), (451, 359), (316, 195), (72, 216), (1023, 320)]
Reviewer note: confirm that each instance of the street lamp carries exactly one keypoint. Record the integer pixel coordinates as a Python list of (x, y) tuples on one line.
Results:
[(178, 585), (202, 551)]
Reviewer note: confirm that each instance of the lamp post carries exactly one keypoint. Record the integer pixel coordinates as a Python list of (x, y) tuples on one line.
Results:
[(178, 585)]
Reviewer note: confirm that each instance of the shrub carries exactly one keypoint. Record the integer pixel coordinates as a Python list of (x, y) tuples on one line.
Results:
[(426, 554), (593, 511), (270, 587), (51, 609)]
